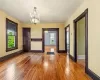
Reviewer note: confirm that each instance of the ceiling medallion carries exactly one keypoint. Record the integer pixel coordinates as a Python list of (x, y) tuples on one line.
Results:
[(34, 16)]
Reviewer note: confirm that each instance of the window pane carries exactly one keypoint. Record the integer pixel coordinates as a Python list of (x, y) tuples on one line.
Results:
[(51, 38), (11, 35), (11, 41), (10, 32)]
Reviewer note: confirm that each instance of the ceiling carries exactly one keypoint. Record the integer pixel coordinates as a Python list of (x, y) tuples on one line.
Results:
[(49, 10)]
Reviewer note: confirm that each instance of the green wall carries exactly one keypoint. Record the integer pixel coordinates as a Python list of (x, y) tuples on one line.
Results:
[(81, 37)]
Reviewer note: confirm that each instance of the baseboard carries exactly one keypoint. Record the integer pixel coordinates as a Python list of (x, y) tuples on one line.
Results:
[(71, 57), (81, 56), (36, 51), (92, 75), (62, 51), (10, 55)]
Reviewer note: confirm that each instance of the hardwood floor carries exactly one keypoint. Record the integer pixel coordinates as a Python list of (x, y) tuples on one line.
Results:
[(48, 48), (81, 62), (39, 66)]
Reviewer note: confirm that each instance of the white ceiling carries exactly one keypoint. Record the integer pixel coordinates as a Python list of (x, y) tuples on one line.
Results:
[(49, 10)]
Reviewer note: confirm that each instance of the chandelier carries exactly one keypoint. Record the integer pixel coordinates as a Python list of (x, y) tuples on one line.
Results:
[(34, 16)]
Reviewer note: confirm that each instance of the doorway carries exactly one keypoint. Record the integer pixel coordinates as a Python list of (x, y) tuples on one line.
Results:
[(26, 39), (67, 39), (81, 42), (50, 39), (81, 38)]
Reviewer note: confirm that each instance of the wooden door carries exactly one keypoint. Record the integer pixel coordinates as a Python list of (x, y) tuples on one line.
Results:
[(26, 39)]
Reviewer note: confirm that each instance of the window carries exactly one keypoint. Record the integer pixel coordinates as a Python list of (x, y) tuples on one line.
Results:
[(52, 35), (11, 35)]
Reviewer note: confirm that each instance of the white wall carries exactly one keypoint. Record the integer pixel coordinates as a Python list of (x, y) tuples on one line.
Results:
[(36, 32), (3, 17), (93, 33)]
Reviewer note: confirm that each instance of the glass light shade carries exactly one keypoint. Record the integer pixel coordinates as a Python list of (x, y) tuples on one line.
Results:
[(35, 21)]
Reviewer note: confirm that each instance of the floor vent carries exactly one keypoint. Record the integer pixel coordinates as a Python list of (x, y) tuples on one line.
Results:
[(50, 53)]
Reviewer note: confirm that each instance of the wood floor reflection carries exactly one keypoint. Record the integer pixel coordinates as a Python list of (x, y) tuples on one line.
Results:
[(39, 66), (48, 48)]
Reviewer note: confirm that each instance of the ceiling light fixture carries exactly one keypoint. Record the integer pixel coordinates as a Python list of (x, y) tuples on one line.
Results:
[(46, 31), (34, 16)]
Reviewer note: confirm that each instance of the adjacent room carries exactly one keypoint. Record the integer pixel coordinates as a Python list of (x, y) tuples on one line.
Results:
[(49, 40), (67, 39), (81, 41)]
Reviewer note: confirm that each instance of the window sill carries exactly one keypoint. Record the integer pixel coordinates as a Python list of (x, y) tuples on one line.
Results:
[(11, 49)]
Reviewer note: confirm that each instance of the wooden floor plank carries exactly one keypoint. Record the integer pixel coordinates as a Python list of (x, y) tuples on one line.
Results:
[(40, 66)]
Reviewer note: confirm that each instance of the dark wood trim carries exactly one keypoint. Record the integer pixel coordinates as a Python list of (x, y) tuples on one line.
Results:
[(16, 38), (36, 39), (43, 40), (61, 51), (87, 70), (66, 38), (36, 51), (92, 75), (84, 14), (43, 37), (71, 57), (4, 58)]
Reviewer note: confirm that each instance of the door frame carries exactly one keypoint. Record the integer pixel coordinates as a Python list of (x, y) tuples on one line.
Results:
[(43, 37), (66, 38), (84, 14)]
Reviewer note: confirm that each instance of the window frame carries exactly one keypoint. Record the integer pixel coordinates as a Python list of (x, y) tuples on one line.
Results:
[(16, 37)]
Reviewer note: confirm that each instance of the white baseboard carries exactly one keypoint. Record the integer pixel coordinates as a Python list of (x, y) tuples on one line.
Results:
[(81, 57)]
